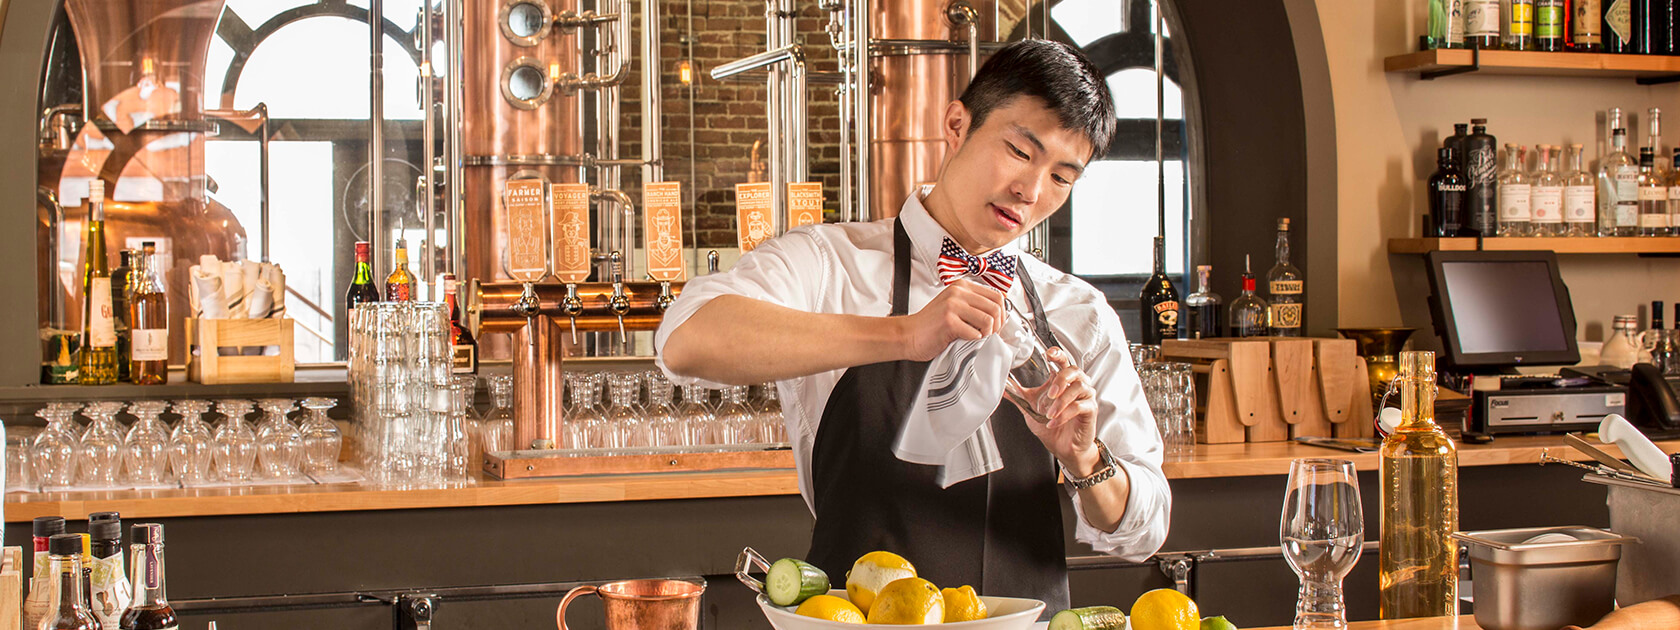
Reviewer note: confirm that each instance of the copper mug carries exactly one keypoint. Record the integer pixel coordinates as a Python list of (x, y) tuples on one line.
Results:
[(643, 604)]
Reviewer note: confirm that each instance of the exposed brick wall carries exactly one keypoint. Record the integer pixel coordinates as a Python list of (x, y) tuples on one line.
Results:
[(728, 116)]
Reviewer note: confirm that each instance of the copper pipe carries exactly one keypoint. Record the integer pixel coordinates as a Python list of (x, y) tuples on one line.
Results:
[(493, 304), (537, 383)]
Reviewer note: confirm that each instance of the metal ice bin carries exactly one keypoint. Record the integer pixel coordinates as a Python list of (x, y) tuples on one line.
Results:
[(1543, 578)]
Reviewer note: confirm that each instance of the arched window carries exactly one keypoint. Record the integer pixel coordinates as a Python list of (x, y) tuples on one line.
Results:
[(1105, 236)]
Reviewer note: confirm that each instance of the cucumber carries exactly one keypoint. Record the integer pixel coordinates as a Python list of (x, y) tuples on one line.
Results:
[(791, 581), (1089, 618)]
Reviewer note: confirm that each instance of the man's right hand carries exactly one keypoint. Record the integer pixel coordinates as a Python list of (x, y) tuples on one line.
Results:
[(964, 310)]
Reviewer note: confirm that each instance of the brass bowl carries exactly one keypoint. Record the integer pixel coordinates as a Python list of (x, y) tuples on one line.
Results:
[(1380, 348)]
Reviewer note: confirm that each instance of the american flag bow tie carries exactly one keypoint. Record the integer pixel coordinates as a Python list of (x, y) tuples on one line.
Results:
[(995, 269)]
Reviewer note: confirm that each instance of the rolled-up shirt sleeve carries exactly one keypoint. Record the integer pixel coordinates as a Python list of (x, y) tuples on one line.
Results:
[(1127, 427), (786, 271)]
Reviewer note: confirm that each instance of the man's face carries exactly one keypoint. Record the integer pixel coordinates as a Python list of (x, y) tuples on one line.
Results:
[(1006, 176)]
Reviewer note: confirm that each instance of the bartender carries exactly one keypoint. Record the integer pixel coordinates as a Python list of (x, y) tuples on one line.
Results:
[(846, 319)]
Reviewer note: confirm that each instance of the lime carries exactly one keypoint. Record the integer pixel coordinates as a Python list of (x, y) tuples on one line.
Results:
[(1217, 623)]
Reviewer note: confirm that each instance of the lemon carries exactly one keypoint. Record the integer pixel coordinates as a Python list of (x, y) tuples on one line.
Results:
[(831, 608), (910, 601), (1165, 609), (962, 604), (873, 572)]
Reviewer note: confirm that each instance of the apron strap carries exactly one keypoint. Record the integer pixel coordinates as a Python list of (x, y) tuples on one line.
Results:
[(902, 253)]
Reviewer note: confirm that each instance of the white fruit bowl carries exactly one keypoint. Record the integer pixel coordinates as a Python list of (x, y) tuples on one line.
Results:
[(1006, 613)]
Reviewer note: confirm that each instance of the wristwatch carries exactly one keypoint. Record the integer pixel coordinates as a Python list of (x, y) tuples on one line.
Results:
[(1109, 467)]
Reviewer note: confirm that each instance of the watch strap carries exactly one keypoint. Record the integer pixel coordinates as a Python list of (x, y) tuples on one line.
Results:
[(1109, 468)]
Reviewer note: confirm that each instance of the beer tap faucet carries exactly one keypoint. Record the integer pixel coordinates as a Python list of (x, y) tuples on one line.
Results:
[(664, 299), (711, 262), (619, 303), (572, 306)]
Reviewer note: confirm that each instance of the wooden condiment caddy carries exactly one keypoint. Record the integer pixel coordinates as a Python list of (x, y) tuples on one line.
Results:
[(1271, 389), (208, 366)]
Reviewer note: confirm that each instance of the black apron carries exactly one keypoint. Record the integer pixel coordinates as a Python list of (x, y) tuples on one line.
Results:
[(1000, 533)]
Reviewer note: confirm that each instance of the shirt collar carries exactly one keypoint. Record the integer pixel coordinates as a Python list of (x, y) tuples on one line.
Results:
[(926, 234)]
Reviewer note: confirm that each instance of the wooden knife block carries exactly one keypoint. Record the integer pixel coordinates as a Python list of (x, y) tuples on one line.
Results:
[(1271, 389)]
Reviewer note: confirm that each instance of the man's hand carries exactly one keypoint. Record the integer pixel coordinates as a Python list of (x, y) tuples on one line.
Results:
[(1070, 405), (964, 310)]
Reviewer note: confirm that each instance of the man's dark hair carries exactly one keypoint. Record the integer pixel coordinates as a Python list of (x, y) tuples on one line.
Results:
[(1057, 74)]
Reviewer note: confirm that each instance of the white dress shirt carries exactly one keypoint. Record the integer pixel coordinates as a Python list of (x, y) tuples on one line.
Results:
[(848, 268)]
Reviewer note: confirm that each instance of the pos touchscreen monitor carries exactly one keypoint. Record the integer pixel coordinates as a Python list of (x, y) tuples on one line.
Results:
[(1501, 309)]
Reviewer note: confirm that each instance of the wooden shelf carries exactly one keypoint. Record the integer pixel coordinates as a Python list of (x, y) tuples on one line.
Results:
[(1430, 64), (1561, 245)]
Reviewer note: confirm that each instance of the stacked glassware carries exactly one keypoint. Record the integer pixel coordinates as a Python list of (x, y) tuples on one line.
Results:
[(403, 392)]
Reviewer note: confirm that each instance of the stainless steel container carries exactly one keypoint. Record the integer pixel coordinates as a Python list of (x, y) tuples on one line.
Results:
[(1650, 513), (1543, 578)]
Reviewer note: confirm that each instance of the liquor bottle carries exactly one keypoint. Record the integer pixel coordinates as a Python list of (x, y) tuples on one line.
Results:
[(151, 609), (1617, 24), (1653, 197), (1418, 565), (1206, 310), (1653, 137), (399, 286), (1586, 26), (1248, 311), (1579, 217), (1517, 27), (1482, 171), (465, 347), (1674, 195), (66, 609), (1650, 34), (99, 333), (1547, 195), (87, 572), (41, 582), (1446, 24), (1461, 131), (1618, 189), (1664, 354), (1515, 194), (1481, 24), (111, 592), (1285, 290), (361, 287), (149, 310), (1159, 301), (122, 286), (1446, 194), (1549, 18)]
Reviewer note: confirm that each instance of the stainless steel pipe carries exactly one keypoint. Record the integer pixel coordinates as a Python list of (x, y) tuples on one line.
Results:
[(376, 137)]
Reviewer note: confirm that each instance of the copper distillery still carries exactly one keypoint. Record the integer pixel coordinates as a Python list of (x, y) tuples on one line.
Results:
[(141, 128)]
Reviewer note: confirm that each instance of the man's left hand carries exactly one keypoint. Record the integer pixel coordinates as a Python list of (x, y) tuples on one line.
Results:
[(1069, 404)]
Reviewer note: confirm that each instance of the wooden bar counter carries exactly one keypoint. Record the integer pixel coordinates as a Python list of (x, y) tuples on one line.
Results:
[(1209, 461)]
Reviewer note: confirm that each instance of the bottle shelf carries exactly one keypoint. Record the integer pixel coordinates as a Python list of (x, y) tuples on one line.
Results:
[(1431, 64), (1561, 245)]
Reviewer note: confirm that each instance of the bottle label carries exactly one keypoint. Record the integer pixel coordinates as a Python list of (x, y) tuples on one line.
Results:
[(1653, 193), (1674, 193), (102, 329), (1285, 315), (1483, 168), (1578, 204), (1455, 22), (399, 292), (150, 345), (152, 578), (1618, 21), (111, 590), (1514, 202), (1521, 16), (1627, 213), (1586, 23), (1653, 221), (1285, 287), (1548, 19), (1166, 319), (1548, 204), (1481, 18)]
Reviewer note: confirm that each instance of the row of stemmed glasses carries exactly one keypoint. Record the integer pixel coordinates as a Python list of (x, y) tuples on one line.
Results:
[(630, 420), (150, 453)]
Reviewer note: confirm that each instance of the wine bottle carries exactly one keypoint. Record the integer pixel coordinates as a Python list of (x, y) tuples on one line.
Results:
[(1207, 315), (399, 286), (1418, 560), (99, 333), (465, 347), (1285, 290), (151, 609), (149, 311), (1482, 170), (361, 287), (1159, 301), (1586, 26), (1248, 311), (1446, 194), (122, 286)]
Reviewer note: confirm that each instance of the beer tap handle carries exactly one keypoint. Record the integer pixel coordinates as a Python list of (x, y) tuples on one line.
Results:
[(663, 302), (711, 262), (619, 303), (572, 307)]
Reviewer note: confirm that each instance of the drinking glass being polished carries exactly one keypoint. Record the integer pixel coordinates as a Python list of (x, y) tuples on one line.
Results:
[(1322, 531)]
